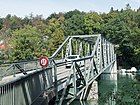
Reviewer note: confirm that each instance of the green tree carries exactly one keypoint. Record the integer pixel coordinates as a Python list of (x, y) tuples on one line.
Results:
[(136, 45), (27, 43), (54, 24), (111, 10), (16, 23), (117, 31), (1, 23), (54, 15), (74, 25), (70, 14), (55, 34), (56, 40), (128, 6), (111, 15), (26, 21), (92, 23), (137, 18), (120, 27), (37, 22)]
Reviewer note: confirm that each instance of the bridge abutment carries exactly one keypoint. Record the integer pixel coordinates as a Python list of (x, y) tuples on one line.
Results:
[(111, 69), (90, 93)]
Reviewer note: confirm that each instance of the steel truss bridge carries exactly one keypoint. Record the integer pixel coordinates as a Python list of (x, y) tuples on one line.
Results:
[(27, 83)]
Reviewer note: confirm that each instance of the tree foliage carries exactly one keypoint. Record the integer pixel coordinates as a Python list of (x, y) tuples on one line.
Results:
[(74, 25), (27, 43), (92, 23), (120, 27), (55, 33)]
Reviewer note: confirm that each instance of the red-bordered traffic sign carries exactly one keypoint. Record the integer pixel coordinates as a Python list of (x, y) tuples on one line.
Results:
[(44, 61)]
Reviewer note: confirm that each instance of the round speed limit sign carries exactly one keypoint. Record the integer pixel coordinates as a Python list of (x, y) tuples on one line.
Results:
[(44, 61)]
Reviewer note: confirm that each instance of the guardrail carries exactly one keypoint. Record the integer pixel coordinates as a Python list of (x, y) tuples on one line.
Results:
[(26, 89), (7, 69)]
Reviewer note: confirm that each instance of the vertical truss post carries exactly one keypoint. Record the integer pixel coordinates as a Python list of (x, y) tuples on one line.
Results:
[(108, 60), (103, 48), (55, 80), (85, 69), (74, 79), (105, 52), (92, 68), (88, 50), (109, 52), (70, 46), (89, 71), (100, 46), (111, 49), (95, 59), (14, 68), (67, 51), (98, 55), (62, 53), (83, 49), (113, 52), (76, 47), (80, 49)]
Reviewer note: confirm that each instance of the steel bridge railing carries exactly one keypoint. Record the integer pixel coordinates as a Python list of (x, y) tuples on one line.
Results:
[(22, 83), (26, 89), (14, 68), (29, 80), (98, 56)]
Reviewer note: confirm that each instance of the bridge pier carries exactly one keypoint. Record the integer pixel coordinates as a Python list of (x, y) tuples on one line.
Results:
[(93, 93), (111, 69)]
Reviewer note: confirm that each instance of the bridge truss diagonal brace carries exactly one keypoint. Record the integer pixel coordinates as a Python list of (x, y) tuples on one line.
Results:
[(92, 71), (80, 73), (20, 68)]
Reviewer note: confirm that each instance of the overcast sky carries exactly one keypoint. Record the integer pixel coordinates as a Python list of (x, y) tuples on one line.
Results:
[(22, 8)]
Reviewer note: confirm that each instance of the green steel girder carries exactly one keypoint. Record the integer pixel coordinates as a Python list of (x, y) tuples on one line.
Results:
[(97, 55)]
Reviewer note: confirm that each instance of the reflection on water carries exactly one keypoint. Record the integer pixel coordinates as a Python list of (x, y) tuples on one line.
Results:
[(107, 88), (108, 77), (106, 83), (117, 89)]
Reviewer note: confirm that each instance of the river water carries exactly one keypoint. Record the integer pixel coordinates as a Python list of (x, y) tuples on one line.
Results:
[(116, 89)]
